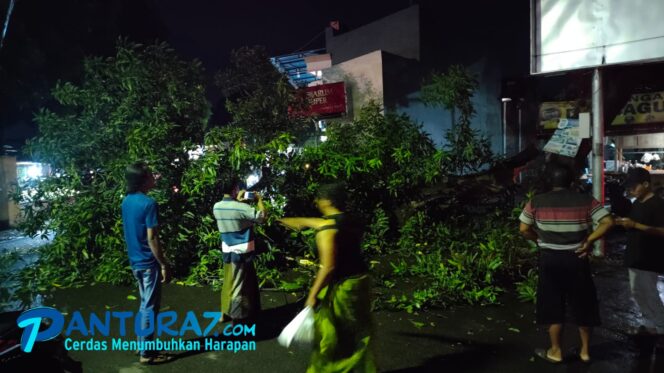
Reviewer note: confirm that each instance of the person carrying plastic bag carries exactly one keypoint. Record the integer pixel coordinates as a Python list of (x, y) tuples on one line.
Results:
[(341, 293), (300, 330)]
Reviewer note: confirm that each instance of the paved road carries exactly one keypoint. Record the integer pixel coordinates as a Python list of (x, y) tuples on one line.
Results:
[(13, 240), (464, 339)]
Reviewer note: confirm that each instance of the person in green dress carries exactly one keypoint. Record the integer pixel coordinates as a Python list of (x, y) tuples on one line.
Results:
[(341, 292)]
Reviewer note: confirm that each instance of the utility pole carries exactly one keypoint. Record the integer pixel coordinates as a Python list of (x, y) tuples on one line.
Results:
[(598, 147), (6, 24)]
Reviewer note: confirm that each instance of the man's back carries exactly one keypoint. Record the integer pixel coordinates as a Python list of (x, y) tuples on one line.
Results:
[(139, 212), (562, 218), (235, 221)]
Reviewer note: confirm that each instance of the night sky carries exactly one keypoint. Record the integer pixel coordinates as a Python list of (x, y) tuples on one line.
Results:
[(209, 30), (47, 41)]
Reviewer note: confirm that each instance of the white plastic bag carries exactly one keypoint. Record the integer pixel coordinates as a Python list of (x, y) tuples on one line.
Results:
[(300, 330)]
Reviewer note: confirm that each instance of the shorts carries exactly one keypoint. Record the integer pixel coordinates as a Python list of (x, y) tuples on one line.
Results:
[(565, 280)]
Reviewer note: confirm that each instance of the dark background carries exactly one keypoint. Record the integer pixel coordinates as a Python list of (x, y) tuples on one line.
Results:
[(47, 40)]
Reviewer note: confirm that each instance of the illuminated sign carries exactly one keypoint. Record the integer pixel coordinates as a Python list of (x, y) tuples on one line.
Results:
[(325, 99), (641, 109), (552, 112)]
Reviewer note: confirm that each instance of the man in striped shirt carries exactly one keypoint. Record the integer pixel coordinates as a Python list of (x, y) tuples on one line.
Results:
[(561, 221), (240, 297)]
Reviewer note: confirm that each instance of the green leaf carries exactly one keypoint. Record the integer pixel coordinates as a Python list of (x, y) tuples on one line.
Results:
[(417, 324)]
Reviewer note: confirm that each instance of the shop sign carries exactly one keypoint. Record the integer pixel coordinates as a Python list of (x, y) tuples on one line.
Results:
[(567, 138), (642, 108), (552, 112), (325, 99)]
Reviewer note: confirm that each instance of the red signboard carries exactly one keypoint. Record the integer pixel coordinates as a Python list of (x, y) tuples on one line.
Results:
[(326, 99)]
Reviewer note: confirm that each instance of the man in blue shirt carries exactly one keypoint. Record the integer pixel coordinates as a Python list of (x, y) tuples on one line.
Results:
[(150, 268)]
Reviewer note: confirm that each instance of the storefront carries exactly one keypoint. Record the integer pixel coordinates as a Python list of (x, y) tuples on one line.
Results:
[(635, 137), (633, 114), (620, 53)]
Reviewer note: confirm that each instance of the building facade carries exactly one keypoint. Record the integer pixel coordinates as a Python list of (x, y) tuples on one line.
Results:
[(388, 60)]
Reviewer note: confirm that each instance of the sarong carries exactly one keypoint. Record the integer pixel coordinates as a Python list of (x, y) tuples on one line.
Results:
[(343, 328), (240, 297)]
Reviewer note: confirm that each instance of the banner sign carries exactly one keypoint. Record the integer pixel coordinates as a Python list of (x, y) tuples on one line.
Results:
[(642, 108), (566, 140), (326, 99), (574, 34), (552, 112)]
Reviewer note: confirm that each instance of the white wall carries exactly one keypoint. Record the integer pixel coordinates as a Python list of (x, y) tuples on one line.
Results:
[(364, 80)]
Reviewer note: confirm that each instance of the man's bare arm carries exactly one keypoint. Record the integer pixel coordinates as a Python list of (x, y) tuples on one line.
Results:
[(631, 224), (326, 252), (527, 232), (604, 226), (153, 242), (302, 223)]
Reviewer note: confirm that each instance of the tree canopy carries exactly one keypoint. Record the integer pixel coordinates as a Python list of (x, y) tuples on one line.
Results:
[(468, 149), (143, 103), (258, 97)]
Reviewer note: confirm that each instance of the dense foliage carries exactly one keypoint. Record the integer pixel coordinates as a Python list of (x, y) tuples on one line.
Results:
[(454, 91), (258, 97), (448, 262), (145, 103)]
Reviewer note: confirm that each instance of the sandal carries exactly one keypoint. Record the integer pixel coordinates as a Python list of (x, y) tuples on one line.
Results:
[(576, 351), (544, 355)]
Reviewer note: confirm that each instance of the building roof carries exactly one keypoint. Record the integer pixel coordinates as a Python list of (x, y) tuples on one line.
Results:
[(294, 66)]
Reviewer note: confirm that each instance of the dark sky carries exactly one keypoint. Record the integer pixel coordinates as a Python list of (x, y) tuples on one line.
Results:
[(47, 41), (209, 29)]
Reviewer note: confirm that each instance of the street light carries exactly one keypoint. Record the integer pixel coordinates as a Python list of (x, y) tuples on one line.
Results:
[(505, 100)]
